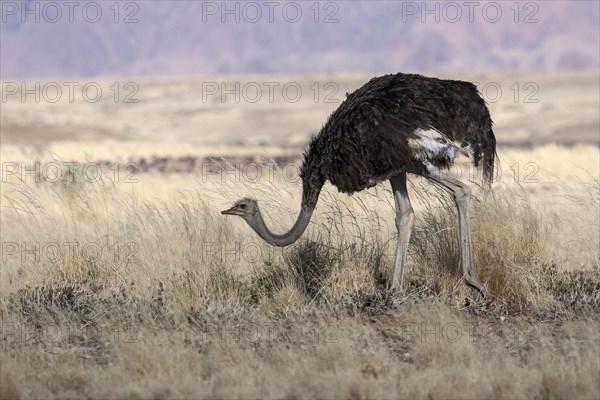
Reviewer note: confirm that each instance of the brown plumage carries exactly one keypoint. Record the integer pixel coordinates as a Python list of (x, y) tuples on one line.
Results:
[(365, 140)]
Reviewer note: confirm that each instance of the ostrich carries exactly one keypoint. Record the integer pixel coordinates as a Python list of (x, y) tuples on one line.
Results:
[(393, 125)]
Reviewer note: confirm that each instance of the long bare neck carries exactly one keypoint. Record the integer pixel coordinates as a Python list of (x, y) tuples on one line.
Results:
[(310, 195)]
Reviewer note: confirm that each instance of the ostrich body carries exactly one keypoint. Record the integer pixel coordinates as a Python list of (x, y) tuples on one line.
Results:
[(393, 125)]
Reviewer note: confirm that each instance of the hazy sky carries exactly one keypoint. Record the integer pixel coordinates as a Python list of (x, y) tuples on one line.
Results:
[(101, 38)]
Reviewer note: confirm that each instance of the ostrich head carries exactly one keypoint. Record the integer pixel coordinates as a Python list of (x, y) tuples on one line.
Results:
[(246, 208)]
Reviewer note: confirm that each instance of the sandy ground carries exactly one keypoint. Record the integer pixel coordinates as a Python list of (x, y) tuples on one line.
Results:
[(268, 115)]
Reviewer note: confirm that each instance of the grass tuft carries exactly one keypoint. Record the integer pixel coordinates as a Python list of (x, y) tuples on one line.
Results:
[(510, 241)]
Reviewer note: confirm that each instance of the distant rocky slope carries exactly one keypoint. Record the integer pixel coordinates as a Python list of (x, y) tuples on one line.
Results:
[(85, 39)]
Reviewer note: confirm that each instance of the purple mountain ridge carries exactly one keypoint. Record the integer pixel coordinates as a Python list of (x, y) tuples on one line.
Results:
[(149, 38)]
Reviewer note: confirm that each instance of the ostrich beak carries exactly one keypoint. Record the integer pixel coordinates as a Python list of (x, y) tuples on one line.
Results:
[(230, 211)]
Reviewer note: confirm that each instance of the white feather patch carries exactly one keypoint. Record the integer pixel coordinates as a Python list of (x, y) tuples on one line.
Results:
[(432, 144)]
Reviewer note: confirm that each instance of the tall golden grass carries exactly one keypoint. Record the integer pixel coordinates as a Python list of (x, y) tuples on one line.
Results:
[(148, 288)]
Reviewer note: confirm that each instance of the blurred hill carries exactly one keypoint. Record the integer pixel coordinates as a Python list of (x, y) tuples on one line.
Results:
[(51, 39)]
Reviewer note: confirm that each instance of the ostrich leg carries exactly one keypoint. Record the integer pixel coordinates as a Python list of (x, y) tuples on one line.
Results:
[(405, 220), (462, 198)]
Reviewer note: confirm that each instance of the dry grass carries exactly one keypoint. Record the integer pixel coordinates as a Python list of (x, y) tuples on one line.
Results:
[(511, 238), (173, 300)]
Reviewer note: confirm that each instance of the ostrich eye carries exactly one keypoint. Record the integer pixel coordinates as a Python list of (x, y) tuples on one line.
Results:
[(243, 206)]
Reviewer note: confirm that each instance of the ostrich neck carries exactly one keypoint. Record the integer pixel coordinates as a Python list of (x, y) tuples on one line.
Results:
[(287, 238), (309, 201)]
